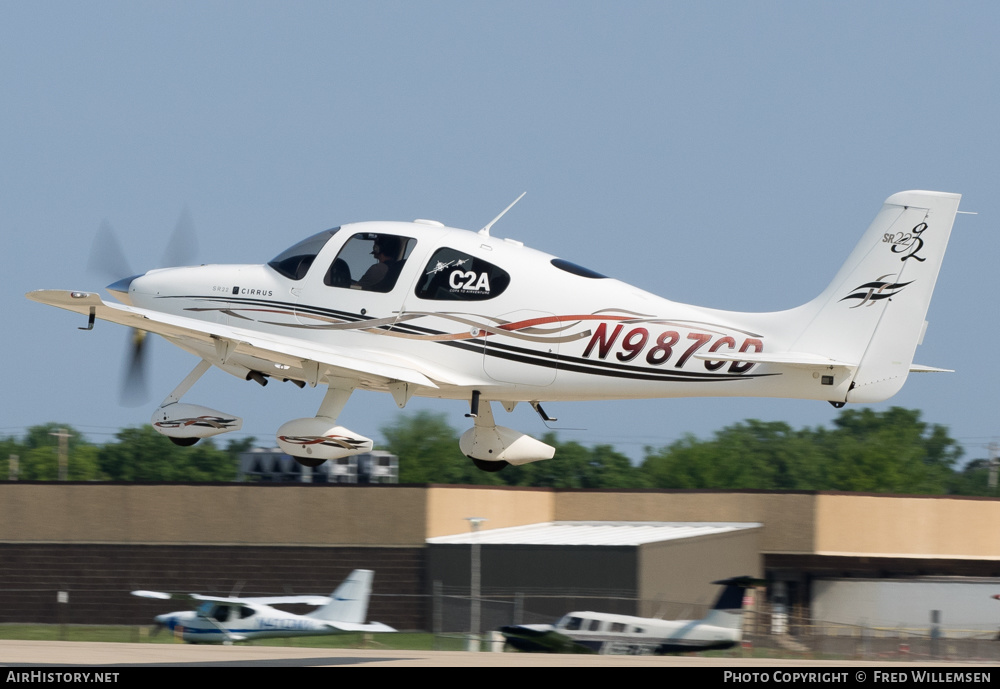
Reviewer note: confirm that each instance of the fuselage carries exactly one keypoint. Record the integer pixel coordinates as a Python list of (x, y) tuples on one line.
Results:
[(217, 623), (610, 633), (472, 311)]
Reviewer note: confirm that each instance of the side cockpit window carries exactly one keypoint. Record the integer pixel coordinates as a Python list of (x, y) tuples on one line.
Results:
[(294, 263), (370, 262), (452, 275)]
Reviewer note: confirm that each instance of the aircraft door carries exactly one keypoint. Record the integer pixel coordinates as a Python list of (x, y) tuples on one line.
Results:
[(528, 351), (365, 280)]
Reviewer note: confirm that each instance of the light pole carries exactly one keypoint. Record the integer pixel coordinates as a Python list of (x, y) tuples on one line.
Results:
[(474, 583), (63, 436)]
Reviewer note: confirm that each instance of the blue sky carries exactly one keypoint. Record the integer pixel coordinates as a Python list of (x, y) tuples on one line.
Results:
[(727, 154)]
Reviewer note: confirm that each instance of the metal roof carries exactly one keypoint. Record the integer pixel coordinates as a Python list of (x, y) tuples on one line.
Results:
[(593, 533)]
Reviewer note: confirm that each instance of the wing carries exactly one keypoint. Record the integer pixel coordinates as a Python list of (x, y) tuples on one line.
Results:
[(352, 627), (540, 638), (238, 350), (284, 600), (159, 595), (264, 600)]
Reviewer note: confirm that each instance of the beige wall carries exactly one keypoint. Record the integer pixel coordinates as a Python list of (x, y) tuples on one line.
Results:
[(674, 575), (825, 524), (889, 526), (251, 515), (449, 506)]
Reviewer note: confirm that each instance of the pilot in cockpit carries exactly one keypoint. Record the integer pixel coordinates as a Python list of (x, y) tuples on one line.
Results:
[(386, 251)]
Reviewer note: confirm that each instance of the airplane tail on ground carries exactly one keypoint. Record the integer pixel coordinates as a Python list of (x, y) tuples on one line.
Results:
[(868, 322), (729, 604), (350, 601)]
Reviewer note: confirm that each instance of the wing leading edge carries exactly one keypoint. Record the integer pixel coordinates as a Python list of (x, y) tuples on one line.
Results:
[(226, 346)]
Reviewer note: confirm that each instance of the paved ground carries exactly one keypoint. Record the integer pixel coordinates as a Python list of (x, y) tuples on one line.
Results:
[(58, 655)]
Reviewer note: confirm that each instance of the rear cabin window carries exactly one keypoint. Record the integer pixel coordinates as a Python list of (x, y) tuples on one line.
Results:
[(452, 275)]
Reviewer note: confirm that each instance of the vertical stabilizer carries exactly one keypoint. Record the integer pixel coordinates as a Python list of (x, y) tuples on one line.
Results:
[(350, 600), (728, 607), (872, 314)]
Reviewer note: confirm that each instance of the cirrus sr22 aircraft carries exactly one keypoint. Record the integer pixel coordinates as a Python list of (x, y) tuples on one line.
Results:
[(418, 308)]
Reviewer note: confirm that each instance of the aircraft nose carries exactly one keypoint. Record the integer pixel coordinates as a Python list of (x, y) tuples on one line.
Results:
[(120, 289)]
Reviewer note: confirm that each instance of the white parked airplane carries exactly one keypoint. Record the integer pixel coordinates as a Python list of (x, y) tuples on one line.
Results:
[(423, 309), (600, 632), (224, 620)]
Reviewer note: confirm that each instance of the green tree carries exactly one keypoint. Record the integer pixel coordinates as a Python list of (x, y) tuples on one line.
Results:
[(39, 455), (891, 451), (428, 451), (576, 466), (142, 454), (973, 479), (752, 454)]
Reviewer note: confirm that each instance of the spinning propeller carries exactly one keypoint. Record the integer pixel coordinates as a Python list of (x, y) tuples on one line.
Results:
[(108, 259)]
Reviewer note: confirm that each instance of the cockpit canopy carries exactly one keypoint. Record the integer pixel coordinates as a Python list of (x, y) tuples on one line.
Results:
[(294, 262), (373, 262)]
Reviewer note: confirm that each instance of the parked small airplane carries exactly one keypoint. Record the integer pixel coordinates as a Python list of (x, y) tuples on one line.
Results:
[(600, 632), (225, 620), (462, 315)]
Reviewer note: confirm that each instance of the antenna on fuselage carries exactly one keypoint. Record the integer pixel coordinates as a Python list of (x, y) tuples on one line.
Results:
[(486, 230)]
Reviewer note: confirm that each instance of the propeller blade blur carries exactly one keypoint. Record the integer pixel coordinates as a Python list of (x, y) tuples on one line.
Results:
[(183, 245), (134, 390), (106, 255)]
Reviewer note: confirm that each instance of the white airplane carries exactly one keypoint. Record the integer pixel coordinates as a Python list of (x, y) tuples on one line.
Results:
[(600, 632), (225, 620), (454, 314)]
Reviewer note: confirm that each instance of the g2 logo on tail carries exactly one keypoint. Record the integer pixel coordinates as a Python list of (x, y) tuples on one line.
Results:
[(903, 241)]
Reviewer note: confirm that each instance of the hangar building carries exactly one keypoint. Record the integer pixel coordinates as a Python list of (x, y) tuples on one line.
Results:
[(97, 541)]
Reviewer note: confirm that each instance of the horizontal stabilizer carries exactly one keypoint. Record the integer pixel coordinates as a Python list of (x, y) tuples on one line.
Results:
[(917, 368)]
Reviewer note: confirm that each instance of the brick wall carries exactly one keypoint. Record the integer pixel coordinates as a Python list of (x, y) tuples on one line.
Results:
[(99, 578)]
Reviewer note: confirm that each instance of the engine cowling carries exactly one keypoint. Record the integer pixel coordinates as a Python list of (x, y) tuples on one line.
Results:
[(182, 420), (501, 444), (318, 438)]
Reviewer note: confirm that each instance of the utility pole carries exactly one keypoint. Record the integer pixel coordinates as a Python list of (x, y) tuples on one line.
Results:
[(994, 451), (63, 436), (474, 583)]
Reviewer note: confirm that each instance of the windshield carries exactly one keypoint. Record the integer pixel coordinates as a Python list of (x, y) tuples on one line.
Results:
[(294, 263)]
